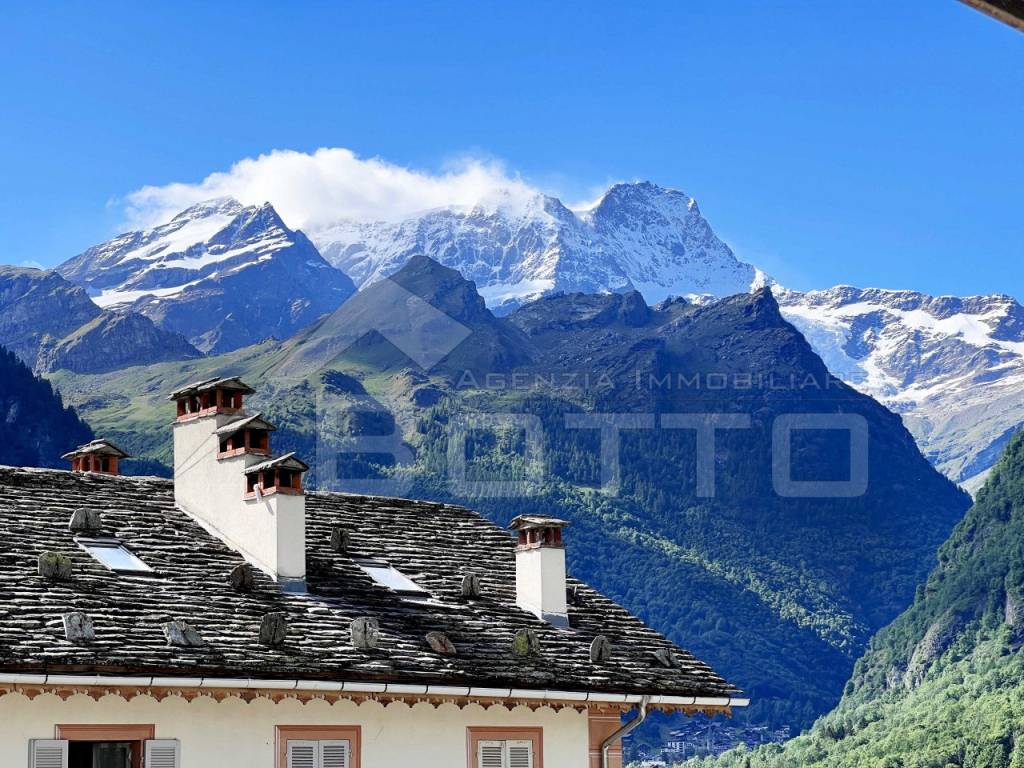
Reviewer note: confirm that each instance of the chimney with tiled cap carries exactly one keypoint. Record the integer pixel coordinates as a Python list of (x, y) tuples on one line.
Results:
[(540, 568), (98, 456), (226, 478)]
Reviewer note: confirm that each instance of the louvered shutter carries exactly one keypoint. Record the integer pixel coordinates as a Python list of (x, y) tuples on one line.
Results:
[(303, 754), (520, 754), (47, 753), (334, 753), (162, 753), (490, 754)]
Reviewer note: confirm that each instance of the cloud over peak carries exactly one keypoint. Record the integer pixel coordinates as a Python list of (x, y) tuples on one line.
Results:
[(314, 190)]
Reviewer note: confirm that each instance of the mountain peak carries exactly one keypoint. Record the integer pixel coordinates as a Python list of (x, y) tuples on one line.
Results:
[(638, 236), (442, 287), (638, 195), (222, 274), (257, 221), (226, 206)]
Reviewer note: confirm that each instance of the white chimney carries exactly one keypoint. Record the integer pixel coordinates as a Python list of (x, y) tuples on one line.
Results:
[(540, 568), (225, 478)]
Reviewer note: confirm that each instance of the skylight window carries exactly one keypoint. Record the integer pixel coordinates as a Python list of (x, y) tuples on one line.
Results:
[(392, 578), (114, 556)]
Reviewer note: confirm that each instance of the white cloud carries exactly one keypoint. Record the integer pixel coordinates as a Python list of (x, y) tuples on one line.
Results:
[(32, 264), (311, 191)]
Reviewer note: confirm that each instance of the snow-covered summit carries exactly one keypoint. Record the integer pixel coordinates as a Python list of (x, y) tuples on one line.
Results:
[(953, 367), (208, 262), (637, 235)]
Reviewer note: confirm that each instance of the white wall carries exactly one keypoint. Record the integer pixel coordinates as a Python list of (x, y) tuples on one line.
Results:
[(237, 734), (270, 533), (540, 581)]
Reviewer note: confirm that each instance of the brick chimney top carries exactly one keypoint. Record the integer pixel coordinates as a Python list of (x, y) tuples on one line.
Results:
[(538, 530), (97, 456)]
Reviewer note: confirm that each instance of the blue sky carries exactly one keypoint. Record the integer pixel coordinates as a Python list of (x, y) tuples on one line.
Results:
[(868, 142)]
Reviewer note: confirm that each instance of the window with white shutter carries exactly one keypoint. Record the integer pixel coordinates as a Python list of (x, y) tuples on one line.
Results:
[(324, 753), (162, 753), (48, 753), (303, 754), (492, 753), (520, 754), (334, 753)]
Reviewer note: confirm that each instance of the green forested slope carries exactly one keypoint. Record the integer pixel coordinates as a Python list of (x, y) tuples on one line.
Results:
[(35, 427), (943, 685)]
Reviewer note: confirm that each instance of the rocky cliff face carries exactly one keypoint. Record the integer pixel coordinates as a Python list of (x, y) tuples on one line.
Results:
[(221, 274), (52, 324), (112, 341)]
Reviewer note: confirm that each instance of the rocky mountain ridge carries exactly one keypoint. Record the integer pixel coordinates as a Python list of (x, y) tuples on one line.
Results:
[(52, 324), (638, 236), (222, 274), (226, 275)]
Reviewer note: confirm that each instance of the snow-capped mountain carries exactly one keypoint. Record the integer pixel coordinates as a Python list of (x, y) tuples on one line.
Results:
[(226, 275), (952, 367), (638, 236), (220, 273)]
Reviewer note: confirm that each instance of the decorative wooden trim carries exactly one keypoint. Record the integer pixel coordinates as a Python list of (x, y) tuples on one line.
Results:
[(135, 733), (285, 733), (97, 692), (476, 734)]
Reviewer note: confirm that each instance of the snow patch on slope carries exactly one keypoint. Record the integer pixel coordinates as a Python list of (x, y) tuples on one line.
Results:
[(953, 367)]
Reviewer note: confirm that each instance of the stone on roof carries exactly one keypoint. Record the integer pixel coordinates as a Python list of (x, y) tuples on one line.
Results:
[(273, 629), (600, 650), (471, 589), (241, 578), (288, 461), (55, 566), (78, 627)]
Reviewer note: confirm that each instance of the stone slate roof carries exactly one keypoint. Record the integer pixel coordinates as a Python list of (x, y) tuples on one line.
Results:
[(433, 544), (287, 461), (256, 421), (100, 447), (231, 382)]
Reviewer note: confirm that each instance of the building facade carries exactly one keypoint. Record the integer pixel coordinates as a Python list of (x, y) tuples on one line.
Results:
[(232, 619)]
